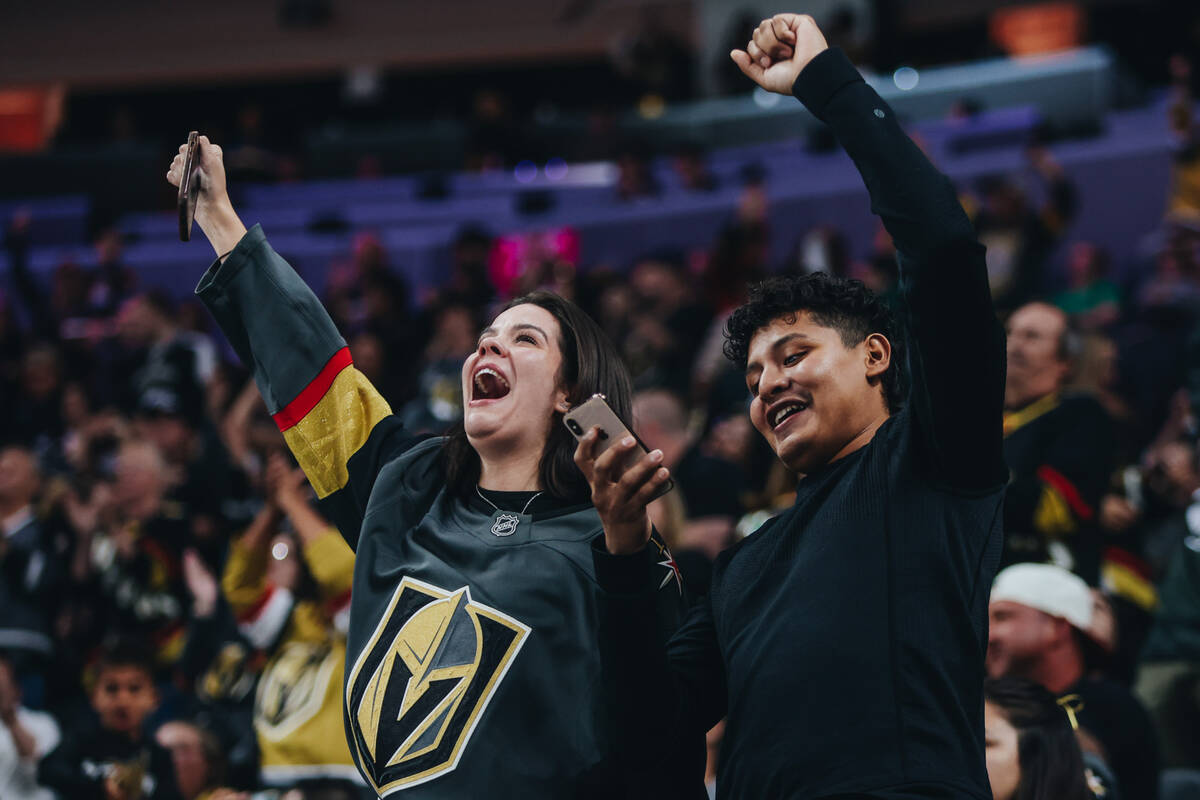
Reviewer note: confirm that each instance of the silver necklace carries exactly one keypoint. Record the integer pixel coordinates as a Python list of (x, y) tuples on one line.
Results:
[(506, 522)]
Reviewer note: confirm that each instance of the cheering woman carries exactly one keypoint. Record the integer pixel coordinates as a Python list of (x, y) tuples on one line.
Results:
[(471, 662)]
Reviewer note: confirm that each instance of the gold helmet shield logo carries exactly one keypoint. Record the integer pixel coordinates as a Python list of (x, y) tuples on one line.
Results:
[(292, 688), (418, 688)]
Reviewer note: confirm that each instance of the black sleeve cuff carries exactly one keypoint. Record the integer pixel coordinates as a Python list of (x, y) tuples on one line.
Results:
[(623, 574), (823, 78), (219, 274)]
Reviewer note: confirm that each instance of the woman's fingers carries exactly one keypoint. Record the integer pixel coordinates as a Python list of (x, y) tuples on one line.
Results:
[(585, 454), (175, 171), (621, 486), (637, 474), (608, 463), (650, 488)]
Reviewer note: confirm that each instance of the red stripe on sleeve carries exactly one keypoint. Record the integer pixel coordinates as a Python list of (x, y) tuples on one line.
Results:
[(1137, 566), (251, 613), (308, 398), (336, 604), (1067, 489)]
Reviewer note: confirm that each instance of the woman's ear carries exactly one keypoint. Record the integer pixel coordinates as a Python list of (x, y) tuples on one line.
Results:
[(562, 399)]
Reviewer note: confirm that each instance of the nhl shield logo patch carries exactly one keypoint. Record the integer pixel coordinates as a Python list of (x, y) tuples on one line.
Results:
[(418, 688), (506, 524)]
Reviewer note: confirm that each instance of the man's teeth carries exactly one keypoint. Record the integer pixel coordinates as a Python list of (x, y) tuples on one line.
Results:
[(787, 411)]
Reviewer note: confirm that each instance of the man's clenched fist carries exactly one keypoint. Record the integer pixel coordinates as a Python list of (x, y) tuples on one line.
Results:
[(780, 48)]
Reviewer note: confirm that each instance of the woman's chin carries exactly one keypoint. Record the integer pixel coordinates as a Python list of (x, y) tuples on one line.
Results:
[(478, 427), (485, 424)]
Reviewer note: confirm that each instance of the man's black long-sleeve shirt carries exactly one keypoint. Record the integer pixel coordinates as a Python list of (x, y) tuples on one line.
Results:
[(845, 640)]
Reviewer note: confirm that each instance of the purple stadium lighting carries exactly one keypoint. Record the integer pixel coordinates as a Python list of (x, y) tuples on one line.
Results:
[(525, 172), (556, 169)]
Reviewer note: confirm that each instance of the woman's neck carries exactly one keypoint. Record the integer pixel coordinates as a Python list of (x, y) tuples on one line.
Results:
[(513, 472)]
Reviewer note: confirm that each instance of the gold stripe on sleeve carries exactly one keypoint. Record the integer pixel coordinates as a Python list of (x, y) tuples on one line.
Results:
[(335, 429)]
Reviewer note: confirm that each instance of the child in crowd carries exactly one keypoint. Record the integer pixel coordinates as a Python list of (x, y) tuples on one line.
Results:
[(115, 760)]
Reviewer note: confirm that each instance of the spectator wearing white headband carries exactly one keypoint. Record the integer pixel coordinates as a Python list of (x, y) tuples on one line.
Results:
[(1040, 616)]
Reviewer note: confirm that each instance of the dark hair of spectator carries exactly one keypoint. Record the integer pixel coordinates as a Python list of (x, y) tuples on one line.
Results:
[(736, 259), (845, 305), (590, 365), (472, 235), (1049, 754), (126, 653)]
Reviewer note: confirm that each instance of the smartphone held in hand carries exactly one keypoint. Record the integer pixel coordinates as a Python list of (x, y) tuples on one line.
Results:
[(596, 413), (189, 188)]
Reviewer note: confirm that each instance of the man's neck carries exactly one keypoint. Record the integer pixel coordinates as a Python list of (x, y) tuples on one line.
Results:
[(863, 437), (1059, 670)]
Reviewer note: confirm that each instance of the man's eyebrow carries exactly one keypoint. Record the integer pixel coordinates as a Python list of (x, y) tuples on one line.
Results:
[(782, 340), (775, 345)]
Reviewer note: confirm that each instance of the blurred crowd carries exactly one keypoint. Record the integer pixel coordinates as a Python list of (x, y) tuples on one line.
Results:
[(173, 606)]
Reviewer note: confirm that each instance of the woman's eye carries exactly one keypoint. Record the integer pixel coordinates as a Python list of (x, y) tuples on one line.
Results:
[(793, 358), (525, 337)]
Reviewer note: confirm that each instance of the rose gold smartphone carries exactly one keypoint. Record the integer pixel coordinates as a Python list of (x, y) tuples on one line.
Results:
[(596, 413), (189, 188)]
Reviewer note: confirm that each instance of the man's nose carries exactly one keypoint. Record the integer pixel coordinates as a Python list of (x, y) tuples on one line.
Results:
[(773, 382)]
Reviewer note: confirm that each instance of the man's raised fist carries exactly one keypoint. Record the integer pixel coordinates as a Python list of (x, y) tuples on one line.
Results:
[(779, 50)]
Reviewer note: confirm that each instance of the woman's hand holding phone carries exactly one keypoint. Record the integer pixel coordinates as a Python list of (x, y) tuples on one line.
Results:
[(622, 487)]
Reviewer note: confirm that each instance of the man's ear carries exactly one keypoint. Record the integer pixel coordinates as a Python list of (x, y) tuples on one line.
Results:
[(879, 355)]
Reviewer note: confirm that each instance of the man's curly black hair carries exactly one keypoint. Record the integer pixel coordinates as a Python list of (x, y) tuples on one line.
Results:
[(845, 305)]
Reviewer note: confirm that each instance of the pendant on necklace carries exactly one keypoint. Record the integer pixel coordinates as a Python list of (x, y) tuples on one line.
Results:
[(505, 524)]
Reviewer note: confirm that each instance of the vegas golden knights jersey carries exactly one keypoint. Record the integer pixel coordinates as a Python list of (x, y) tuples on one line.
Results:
[(472, 667), (298, 703)]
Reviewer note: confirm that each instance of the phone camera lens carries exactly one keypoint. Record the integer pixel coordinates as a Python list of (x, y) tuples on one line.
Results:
[(574, 426), (603, 435)]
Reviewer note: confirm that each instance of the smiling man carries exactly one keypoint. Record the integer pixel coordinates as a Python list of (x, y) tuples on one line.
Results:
[(844, 641)]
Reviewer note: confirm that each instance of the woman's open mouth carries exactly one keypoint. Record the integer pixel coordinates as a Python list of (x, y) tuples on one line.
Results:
[(488, 384)]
